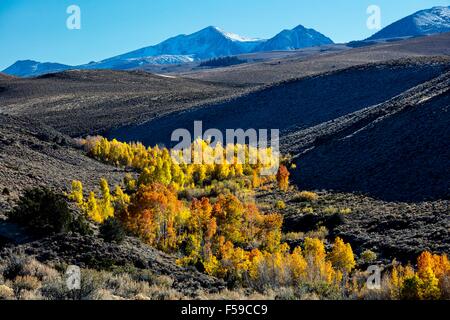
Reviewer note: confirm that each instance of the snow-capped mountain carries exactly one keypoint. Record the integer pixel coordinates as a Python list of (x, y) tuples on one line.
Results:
[(210, 42), (424, 22), (29, 68), (207, 43), (297, 38)]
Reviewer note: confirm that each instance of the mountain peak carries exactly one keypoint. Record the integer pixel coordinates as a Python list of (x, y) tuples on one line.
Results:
[(229, 35), (300, 27), (209, 29), (423, 22), (26, 68), (296, 38)]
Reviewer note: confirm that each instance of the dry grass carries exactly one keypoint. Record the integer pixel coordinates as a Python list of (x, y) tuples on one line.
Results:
[(6, 293), (24, 278)]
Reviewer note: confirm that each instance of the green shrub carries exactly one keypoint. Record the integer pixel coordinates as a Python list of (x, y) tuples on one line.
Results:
[(368, 256), (308, 210), (112, 231), (25, 283), (80, 225), (411, 288), (44, 212), (14, 266)]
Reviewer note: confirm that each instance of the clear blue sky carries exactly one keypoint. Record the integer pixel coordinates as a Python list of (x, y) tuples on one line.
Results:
[(36, 29)]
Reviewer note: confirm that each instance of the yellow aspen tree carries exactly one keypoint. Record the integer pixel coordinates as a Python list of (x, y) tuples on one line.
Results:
[(429, 289), (425, 261), (341, 256), (298, 265), (318, 268), (92, 208), (77, 193), (120, 199), (106, 208), (256, 182)]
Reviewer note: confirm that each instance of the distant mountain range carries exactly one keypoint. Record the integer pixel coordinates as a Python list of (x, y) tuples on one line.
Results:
[(212, 42)]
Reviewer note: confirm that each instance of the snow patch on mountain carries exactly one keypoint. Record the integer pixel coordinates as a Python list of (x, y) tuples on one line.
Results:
[(436, 18), (236, 37)]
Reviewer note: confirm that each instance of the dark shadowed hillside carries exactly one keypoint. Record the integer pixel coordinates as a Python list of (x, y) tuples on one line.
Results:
[(399, 150), (295, 105)]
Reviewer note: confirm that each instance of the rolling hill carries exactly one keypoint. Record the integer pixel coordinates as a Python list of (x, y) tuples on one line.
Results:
[(101, 100), (383, 143), (27, 68), (83, 102)]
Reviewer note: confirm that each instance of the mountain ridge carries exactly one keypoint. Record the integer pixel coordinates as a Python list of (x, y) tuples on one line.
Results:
[(297, 38), (207, 43), (212, 42)]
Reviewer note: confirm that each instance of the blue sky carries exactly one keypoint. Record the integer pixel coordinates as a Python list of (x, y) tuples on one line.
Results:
[(36, 29)]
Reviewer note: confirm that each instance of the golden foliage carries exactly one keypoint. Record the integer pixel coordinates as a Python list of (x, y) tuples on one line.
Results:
[(98, 209), (170, 167), (283, 178), (307, 196), (428, 283), (342, 256), (224, 235)]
